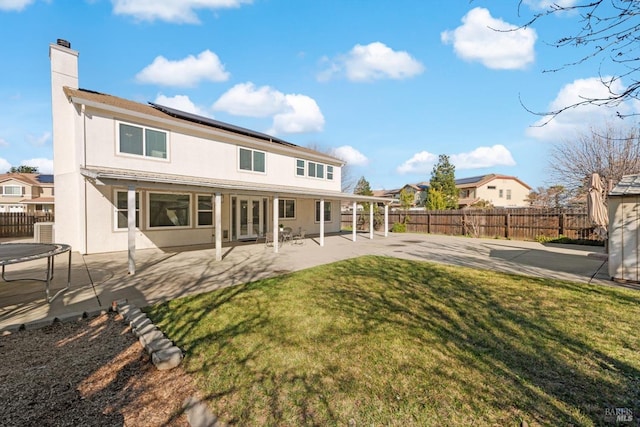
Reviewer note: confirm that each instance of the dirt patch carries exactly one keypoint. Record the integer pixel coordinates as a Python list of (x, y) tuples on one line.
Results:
[(89, 373)]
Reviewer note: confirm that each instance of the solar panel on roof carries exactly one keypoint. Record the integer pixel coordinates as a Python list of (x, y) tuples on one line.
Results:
[(470, 180), (218, 124), (45, 179)]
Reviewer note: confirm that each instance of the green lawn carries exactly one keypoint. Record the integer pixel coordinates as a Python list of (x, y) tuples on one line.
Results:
[(384, 341)]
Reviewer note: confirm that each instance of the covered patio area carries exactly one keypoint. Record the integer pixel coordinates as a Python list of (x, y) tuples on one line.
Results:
[(193, 206)]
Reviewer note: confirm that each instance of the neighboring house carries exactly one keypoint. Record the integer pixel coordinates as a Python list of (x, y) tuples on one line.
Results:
[(417, 190), (131, 175), (502, 191), (30, 193)]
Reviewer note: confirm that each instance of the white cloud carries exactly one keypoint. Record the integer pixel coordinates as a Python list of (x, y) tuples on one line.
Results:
[(421, 163), (546, 4), (477, 40), (483, 157), (5, 166), (350, 155), (180, 102), (182, 11), (44, 165), (187, 72), (303, 116), (292, 113), (38, 140), (245, 100), (4, 142), (374, 61), (14, 5), (579, 119)]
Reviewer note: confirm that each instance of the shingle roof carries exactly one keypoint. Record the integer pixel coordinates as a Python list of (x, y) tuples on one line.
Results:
[(27, 178), (629, 184), (476, 181)]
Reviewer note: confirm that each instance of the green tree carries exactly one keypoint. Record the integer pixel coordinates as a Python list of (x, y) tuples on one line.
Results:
[(23, 169), (363, 188), (435, 200), (443, 180), (406, 201)]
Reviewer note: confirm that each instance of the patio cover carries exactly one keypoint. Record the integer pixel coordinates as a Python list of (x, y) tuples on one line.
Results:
[(131, 179)]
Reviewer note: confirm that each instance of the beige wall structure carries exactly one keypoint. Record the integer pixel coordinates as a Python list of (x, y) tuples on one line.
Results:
[(502, 191)]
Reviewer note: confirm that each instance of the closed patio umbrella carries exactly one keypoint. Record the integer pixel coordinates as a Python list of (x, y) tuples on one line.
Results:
[(596, 208)]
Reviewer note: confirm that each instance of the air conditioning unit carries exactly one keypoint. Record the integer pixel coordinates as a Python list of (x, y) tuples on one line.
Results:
[(43, 232)]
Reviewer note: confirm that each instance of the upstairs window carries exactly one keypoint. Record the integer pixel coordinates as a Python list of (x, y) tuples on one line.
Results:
[(142, 141), (12, 190), (251, 160), (508, 194), (313, 169)]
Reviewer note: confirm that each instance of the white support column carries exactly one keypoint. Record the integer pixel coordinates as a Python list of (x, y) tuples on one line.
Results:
[(354, 220), (321, 222), (371, 221), (218, 225), (131, 228), (386, 220), (276, 227)]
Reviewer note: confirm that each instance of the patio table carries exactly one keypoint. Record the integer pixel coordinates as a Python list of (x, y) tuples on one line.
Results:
[(15, 253)]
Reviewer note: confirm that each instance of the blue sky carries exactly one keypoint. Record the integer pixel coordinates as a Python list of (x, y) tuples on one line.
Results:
[(386, 86)]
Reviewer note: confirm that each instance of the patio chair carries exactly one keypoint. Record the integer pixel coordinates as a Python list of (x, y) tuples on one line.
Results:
[(287, 234), (268, 239), (298, 239)]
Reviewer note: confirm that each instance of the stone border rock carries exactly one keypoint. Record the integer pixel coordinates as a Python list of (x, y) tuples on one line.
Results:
[(164, 354)]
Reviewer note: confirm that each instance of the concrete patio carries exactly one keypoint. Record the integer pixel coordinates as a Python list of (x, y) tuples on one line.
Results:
[(97, 280)]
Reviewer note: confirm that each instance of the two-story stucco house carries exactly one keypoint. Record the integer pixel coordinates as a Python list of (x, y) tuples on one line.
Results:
[(29, 193), (131, 175), (502, 191)]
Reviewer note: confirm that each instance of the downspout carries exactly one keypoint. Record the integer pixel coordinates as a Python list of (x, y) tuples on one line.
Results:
[(84, 181)]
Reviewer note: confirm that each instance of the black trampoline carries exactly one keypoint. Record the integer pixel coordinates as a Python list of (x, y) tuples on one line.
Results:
[(15, 253)]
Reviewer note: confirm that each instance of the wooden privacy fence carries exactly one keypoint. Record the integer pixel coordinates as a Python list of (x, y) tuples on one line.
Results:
[(20, 224), (518, 224)]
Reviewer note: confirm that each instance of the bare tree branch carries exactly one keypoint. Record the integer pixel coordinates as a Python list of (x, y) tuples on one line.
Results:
[(611, 152), (609, 30)]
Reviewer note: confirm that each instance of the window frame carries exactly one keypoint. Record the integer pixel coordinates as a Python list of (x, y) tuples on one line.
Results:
[(20, 187), (508, 194), (169, 227), (197, 210), (327, 204), (144, 129), (117, 210), (253, 160), (284, 209), (325, 170)]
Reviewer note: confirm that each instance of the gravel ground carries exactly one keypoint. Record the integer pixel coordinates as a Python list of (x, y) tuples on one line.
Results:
[(90, 373)]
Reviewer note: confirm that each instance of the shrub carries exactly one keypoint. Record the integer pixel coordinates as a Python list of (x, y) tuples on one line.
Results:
[(399, 227)]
